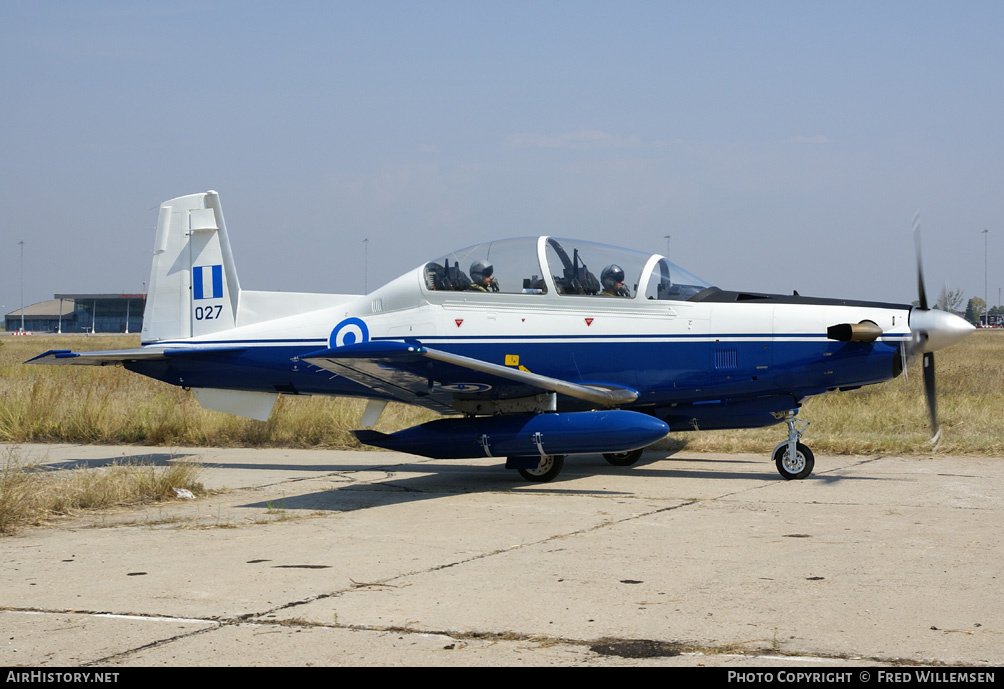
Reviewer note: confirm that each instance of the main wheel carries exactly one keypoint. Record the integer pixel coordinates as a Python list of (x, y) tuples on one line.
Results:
[(797, 468), (549, 467), (623, 459)]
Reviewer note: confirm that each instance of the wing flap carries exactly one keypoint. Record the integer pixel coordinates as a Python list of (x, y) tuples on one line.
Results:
[(393, 369)]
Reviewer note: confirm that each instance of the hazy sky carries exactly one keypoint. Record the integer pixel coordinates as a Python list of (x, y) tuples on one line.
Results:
[(782, 145)]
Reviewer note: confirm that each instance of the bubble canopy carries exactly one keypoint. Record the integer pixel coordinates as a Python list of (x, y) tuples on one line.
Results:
[(559, 266)]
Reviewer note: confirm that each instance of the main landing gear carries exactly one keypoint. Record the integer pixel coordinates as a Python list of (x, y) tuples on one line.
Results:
[(793, 459), (549, 467), (623, 459)]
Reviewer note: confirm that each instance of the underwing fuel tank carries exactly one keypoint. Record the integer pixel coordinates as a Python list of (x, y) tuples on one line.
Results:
[(614, 430)]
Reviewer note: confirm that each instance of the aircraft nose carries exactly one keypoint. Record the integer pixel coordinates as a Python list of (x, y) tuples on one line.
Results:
[(939, 329)]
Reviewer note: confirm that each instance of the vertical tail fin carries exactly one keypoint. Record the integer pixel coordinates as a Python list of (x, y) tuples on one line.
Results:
[(193, 283)]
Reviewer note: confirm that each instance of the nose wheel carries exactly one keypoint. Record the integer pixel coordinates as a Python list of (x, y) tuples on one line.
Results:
[(796, 467), (793, 459)]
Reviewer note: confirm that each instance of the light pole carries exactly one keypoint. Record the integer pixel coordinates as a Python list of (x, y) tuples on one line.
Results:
[(21, 244), (667, 238), (986, 302), (366, 266)]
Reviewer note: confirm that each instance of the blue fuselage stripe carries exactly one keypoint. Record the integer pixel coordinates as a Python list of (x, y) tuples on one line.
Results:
[(548, 339), (664, 371)]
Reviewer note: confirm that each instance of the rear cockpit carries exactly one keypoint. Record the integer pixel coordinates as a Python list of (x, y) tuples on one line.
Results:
[(563, 267), (509, 266)]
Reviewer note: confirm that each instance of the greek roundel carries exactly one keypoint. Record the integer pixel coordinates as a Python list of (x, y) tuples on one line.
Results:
[(349, 331)]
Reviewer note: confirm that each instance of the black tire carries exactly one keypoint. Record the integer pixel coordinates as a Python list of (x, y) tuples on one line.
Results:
[(549, 467), (623, 459), (797, 469)]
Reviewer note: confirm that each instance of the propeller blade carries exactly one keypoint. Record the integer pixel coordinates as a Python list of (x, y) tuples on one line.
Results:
[(921, 340), (920, 270), (932, 399)]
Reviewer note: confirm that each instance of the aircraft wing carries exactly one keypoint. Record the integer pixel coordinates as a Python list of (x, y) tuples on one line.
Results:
[(413, 373), (119, 356)]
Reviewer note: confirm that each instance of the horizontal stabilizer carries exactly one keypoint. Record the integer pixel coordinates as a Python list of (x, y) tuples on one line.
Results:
[(120, 356)]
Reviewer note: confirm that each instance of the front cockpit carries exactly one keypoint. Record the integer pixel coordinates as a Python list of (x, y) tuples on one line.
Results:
[(550, 266)]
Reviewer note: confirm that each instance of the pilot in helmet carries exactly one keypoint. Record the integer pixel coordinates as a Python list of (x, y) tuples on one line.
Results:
[(483, 277), (612, 279)]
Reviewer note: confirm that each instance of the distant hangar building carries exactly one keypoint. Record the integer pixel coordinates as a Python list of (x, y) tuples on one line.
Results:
[(81, 313)]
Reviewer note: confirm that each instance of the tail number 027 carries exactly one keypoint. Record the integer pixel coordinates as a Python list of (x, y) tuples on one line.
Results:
[(208, 313)]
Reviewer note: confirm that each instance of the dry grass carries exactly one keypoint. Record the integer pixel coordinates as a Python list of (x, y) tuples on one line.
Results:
[(107, 404), (16, 492), (31, 494), (87, 404)]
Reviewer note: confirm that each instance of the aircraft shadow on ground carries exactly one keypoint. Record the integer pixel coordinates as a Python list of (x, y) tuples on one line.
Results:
[(439, 480), (159, 459)]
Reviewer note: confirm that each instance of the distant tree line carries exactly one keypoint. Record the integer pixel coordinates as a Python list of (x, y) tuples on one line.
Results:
[(974, 311)]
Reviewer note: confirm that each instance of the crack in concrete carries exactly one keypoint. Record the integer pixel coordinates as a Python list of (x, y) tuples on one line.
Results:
[(622, 647), (474, 558)]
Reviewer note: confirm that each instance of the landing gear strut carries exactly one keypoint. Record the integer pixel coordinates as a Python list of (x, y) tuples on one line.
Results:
[(793, 459)]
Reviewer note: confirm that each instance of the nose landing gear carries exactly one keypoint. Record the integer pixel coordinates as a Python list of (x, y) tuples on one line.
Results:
[(793, 459)]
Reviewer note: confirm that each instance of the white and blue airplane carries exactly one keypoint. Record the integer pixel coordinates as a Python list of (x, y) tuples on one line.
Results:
[(534, 348)]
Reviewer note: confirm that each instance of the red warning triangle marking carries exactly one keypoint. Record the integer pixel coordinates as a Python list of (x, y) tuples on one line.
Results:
[(589, 321), (458, 321)]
